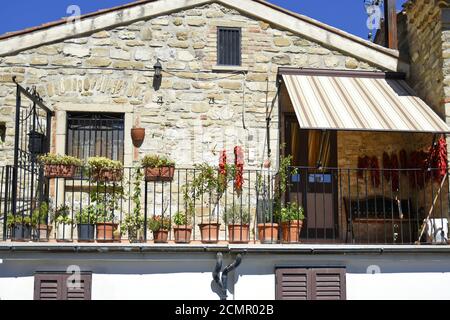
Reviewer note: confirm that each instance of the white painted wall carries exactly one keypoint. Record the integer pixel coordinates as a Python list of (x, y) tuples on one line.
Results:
[(398, 286), (180, 276), (20, 288), (172, 286)]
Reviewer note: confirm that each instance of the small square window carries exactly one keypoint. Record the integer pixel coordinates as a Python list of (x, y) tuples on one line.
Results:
[(229, 46), (2, 132)]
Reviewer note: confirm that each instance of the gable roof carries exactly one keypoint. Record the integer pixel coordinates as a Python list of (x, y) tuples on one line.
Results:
[(309, 28)]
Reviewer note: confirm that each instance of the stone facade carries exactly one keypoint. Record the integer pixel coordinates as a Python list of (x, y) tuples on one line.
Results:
[(428, 45), (113, 68)]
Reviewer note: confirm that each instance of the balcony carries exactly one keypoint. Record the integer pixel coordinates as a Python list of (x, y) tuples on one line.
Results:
[(204, 205)]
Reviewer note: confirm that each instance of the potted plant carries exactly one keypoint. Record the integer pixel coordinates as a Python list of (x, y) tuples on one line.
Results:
[(158, 168), (105, 225), (183, 229), (133, 224), (86, 220), (105, 170), (268, 230), (19, 226), (160, 226), (137, 136), (291, 216), (40, 223), (58, 166), (238, 220), (64, 223)]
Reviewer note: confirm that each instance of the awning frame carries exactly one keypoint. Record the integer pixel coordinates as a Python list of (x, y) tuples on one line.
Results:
[(350, 74)]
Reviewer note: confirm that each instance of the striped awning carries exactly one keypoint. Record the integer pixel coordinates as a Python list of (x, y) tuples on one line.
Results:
[(359, 103)]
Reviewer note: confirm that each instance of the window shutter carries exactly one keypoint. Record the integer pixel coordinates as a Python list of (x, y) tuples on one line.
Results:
[(329, 284), (48, 287), (293, 284), (55, 286), (310, 284), (83, 292)]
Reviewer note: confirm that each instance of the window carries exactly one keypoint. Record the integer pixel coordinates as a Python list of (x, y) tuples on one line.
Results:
[(229, 46), (2, 132), (58, 286), (310, 284), (95, 135)]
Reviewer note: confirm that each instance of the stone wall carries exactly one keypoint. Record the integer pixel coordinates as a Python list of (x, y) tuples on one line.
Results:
[(113, 68), (428, 41)]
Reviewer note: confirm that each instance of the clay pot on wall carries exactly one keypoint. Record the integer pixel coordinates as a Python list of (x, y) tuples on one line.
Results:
[(138, 136)]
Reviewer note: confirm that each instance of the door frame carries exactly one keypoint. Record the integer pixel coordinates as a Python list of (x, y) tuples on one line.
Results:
[(287, 119)]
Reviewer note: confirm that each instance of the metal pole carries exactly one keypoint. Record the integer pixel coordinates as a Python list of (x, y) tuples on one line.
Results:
[(16, 151)]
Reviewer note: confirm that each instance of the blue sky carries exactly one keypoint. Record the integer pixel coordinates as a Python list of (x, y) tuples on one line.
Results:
[(348, 15)]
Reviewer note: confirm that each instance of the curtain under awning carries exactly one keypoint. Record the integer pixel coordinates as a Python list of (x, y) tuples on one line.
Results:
[(360, 103)]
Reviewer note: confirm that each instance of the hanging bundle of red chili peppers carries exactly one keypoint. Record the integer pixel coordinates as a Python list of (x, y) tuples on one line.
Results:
[(375, 172), (239, 163), (395, 173), (363, 163), (437, 160), (223, 168), (418, 164), (387, 165)]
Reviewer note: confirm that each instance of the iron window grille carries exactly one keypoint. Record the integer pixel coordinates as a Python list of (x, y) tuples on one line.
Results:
[(95, 135), (229, 46)]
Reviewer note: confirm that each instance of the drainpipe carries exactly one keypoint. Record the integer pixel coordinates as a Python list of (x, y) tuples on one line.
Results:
[(222, 281)]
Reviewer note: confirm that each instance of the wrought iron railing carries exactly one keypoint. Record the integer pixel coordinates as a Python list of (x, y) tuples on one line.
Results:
[(305, 205)]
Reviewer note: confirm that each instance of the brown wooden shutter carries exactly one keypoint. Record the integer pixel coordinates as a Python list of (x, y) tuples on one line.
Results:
[(329, 284), (81, 293), (310, 284), (292, 284), (54, 286)]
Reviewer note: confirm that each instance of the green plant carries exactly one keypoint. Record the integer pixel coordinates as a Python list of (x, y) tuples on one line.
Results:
[(102, 163), (134, 222), (57, 159), (159, 223), (62, 215), (291, 212), (236, 215), (13, 220), (40, 215), (181, 219), (156, 161), (88, 215)]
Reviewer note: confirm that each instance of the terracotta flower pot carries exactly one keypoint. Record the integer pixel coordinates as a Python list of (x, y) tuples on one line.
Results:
[(209, 232), (138, 136), (238, 233), (42, 233), (160, 236), (159, 174), (59, 171), (105, 231), (291, 231), (107, 175), (182, 234), (268, 232)]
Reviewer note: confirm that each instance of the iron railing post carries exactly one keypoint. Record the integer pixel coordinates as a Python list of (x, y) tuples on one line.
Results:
[(5, 205), (16, 152)]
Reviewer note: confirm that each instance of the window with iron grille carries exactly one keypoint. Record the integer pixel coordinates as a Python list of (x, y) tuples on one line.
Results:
[(62, 286), (310, 284), (228, 46), (95, 135)]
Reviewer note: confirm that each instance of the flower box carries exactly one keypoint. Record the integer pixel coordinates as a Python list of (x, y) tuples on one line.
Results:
[(59, 171), (159, 174)]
